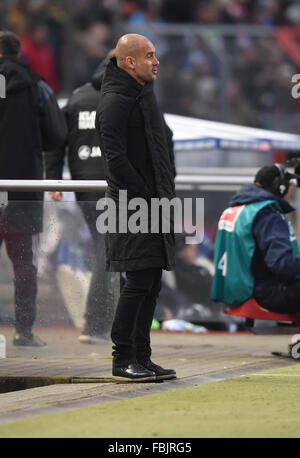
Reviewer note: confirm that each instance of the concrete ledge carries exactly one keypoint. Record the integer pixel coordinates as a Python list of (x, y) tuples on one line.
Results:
[(17, 383)]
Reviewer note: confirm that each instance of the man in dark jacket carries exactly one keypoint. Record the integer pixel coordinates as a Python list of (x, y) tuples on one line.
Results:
[(30, 123), (86, 163), (138, 156), (256, 251)]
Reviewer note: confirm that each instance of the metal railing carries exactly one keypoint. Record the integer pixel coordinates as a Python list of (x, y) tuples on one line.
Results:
[(53, 185), (101, 185), (214, 179)]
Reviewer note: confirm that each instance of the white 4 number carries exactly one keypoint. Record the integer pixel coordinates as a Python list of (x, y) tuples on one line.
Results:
[(222, 265)]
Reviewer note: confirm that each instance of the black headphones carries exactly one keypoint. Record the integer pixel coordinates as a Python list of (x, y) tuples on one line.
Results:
[(280, 184)]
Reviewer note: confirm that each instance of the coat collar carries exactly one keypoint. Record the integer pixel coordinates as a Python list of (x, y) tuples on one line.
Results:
[(118, 80)]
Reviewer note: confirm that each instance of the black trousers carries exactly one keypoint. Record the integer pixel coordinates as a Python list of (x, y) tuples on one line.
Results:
[(282, 298), (22, 251), (99, 311), (133, 318)]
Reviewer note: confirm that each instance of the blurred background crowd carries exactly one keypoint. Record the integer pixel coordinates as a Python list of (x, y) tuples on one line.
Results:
[(220, 60), (224, 60)]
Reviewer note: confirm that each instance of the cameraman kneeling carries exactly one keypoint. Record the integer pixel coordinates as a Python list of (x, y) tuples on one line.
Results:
[(256, 251)]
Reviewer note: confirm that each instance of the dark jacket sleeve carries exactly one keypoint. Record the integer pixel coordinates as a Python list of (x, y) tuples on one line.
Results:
[(54, 160), (169, 134), (111, 124), (273, 239), (54, 164), (52, 121)]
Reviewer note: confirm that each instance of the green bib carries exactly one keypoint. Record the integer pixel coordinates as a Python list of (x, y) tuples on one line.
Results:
[(233, 281)]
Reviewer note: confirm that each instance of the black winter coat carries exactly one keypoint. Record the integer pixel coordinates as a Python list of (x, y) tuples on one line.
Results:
[(138, 155), (30, 123)]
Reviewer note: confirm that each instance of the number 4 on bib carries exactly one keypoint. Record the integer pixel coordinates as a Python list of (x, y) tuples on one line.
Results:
[(222, 265)]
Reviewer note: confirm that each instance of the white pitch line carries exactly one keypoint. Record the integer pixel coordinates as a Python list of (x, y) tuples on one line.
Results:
[(272, 375)]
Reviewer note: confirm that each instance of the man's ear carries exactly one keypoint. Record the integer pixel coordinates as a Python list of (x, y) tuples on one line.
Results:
[(130, 62)]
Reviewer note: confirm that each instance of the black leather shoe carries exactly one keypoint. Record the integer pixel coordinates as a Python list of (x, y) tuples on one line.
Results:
[(160, 372), (30, 340), (134, 372)]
